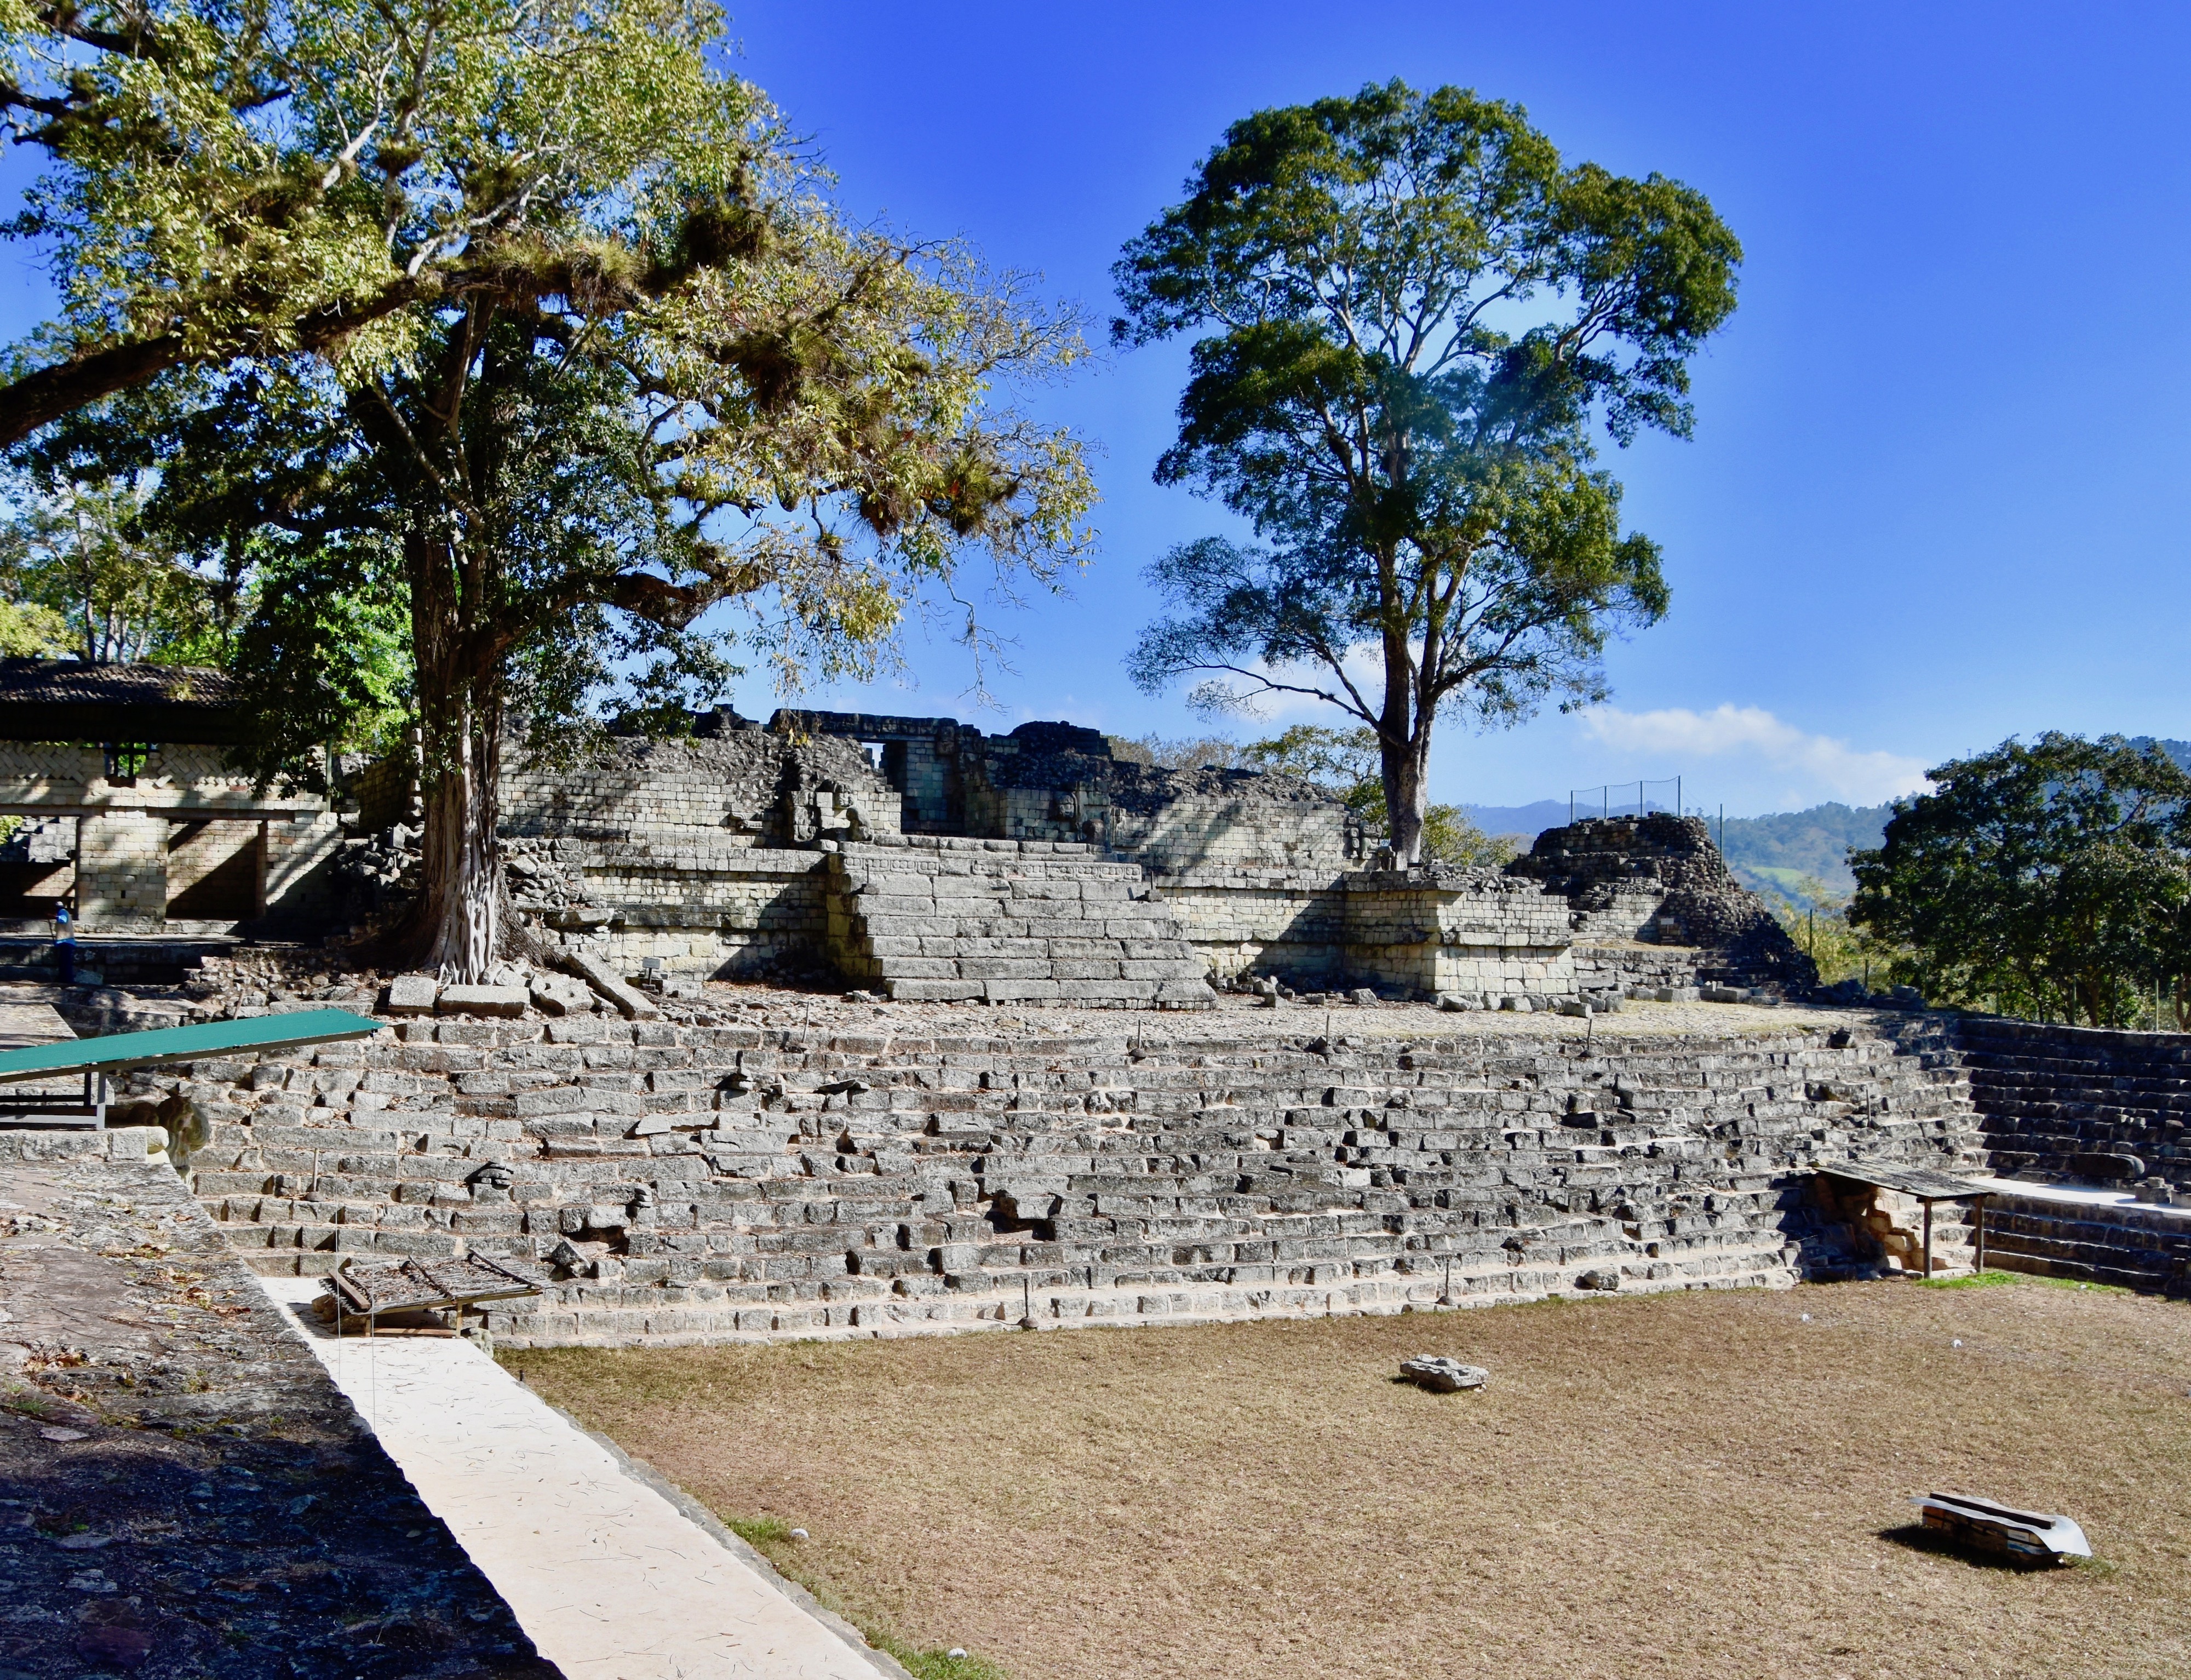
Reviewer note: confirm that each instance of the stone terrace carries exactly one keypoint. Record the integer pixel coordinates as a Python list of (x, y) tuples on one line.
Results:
[(997, 922), (887, 1173)]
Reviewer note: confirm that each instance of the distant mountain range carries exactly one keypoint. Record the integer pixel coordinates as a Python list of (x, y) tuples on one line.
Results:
[(1770, 854)]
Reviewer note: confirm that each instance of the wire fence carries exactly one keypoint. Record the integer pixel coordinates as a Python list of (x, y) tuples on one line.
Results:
[(1639, 797)]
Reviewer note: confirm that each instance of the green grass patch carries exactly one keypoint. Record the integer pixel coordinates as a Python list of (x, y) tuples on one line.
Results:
[(1986, 1280), (772, 1537)]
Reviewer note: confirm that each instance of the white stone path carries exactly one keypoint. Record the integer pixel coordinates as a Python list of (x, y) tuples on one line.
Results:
[(609, 1578)]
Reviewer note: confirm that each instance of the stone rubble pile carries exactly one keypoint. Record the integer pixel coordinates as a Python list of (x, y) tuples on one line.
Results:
[(1659, 879)]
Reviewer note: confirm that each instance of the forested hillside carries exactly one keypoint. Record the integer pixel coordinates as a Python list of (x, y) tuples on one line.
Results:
[(1781, 849), (1775, 853)]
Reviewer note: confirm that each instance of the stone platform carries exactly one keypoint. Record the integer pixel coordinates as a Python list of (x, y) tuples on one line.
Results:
[(935, 1169)]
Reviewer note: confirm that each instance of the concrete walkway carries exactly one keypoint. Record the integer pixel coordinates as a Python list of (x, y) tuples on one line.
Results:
[(609, 1578), (2076, 1195)]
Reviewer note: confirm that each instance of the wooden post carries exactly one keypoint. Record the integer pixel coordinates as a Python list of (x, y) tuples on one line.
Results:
[(1928, 1236)]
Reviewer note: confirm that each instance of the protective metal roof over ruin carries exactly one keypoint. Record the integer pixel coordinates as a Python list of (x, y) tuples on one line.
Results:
[(119, 1050), (75, 700)]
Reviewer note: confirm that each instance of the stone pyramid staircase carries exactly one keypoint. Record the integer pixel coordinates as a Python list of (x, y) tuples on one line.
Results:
[(945, 919)]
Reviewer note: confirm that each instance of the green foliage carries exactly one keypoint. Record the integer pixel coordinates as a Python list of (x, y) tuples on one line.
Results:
[(1345, 762), (1784, 848), (324, 661), (31, 631), (1192, 752), (2049, 879), (84, 576), (1990, 1280), (1411, 314), (1816, 917), (531, 325)]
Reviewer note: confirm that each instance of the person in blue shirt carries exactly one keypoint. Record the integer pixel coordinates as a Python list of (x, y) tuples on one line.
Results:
[(65, 943)]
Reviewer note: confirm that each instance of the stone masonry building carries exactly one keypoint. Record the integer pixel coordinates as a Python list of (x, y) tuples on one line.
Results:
[(925, 860)]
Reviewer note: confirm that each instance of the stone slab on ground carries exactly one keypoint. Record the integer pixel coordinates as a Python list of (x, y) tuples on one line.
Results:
[(413, 995), (186, 1494), (503, 1000), (609, 1578), (635, 1004)]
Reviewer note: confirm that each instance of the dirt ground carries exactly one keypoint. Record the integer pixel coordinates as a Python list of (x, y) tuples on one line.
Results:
[(1691, 1485)]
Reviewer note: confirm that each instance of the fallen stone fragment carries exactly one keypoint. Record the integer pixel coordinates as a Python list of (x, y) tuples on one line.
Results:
[(1441, 1374), (1987, 1527), (560, 994), (413, 995), (1597, 1279), (62, 1435), (636, 1005), (508, 1001)]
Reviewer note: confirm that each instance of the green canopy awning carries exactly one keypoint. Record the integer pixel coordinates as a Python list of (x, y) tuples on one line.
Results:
[(118, 1052)]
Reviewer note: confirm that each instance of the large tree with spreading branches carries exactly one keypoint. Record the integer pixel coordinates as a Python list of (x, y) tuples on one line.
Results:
[(1410, 319), (617, 363), (2049, 879)]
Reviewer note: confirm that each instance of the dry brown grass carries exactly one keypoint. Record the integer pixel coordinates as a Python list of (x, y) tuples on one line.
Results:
[(1679, 1485)]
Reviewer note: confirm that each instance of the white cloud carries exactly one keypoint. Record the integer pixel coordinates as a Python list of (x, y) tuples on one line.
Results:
[(1825, 767)]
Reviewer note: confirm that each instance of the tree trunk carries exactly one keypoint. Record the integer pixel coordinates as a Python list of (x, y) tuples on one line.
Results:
[(462, 908), (459, 925), (1403, 737), (1407, 798)]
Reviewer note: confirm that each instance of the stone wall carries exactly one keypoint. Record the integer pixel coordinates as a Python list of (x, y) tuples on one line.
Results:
[(122, 870), (2138, 1247), (1059, 781), (701, 856), (704, 857), (142, 847), (2074, 1105), (706, 1183), (670, 800), (1473, 933)]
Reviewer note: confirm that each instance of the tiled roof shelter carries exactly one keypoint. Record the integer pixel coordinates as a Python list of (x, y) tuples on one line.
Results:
[(71, 700)]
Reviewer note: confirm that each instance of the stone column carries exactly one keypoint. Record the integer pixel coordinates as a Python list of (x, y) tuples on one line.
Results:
[(122, 870)]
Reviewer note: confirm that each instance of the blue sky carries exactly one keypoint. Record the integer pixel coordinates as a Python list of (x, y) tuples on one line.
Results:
[(1937, 493)]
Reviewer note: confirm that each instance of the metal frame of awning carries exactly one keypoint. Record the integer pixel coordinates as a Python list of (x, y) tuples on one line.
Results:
[(98, 1059)]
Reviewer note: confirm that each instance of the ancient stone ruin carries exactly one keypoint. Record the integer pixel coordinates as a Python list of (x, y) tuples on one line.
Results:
[(686, 1170), (916, 858), (922, 860)]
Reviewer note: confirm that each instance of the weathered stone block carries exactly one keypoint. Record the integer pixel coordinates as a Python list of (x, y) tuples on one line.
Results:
[(497, 1000), (412, 994)]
